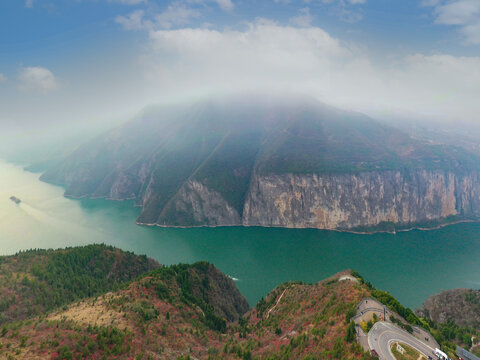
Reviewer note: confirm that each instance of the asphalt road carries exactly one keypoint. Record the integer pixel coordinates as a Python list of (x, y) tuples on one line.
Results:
[(383, 334)]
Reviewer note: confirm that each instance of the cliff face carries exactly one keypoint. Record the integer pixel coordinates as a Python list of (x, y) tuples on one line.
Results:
[(366, 199), (196, 204), (342, 201)]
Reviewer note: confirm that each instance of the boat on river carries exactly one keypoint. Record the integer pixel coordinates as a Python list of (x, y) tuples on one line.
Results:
[(15, 199)]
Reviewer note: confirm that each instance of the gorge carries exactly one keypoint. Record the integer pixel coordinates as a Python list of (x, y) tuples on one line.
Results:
[(280, 162)]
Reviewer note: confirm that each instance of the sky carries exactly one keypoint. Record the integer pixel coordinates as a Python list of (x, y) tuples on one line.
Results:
[(74, 63)]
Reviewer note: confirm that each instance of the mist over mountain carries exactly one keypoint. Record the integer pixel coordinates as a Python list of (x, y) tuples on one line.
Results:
[(272, 161)]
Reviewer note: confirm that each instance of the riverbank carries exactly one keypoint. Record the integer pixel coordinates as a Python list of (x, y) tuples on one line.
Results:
[(260, 257), (347, 231)]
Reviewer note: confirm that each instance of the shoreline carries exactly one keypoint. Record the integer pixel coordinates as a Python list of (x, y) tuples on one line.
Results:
[(419, 227)]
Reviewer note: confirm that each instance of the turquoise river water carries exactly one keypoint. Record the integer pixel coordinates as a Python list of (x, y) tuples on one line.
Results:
[(411, 265)]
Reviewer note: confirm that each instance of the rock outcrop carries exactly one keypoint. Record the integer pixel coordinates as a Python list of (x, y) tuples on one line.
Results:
[(461, 306), (196, 204)]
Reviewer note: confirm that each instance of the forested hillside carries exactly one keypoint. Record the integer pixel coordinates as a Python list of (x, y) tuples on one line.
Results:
[(35, 281), (98, 302)]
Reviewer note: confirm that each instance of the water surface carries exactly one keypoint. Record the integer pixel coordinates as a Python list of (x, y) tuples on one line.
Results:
[(411, 265)]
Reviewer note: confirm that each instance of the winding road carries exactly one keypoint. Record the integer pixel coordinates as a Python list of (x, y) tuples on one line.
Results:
[(383, 334)]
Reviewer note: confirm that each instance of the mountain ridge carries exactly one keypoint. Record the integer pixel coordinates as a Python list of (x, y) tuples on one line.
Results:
[(193, 311), (208, 164)]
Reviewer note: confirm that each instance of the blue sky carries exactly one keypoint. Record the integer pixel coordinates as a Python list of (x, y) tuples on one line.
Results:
[(65, 61), (39, 31)]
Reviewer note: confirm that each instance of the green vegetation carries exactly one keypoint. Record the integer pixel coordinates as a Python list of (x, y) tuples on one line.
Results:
[(263, 305), (409, 353), (229, 169), (448, 334), (350, 337), (427, 224), (193, 286), (388, 300), (86, 272), (184, 311), (48, 279)]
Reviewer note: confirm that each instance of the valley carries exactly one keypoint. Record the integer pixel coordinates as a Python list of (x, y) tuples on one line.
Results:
[(259, 257)]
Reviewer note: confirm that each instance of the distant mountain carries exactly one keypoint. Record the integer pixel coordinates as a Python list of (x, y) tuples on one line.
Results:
[(273, 161)]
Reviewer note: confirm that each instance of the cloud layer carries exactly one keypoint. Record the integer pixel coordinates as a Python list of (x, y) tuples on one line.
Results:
[(37, 79), (177, 56), (270, 56)]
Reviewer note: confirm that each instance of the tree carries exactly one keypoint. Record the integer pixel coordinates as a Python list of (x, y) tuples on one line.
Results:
[(350, 336)]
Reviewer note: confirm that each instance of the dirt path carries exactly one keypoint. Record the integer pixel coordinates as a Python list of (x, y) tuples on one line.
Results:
[(276, 303)]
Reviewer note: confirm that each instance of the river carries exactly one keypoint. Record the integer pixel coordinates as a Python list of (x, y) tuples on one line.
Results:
[(411, 265)]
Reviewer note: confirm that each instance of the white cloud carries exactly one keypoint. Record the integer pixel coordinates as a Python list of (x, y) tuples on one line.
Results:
[(3, 78), (269, 56), (37, 79), (303, 19), (225, 5), (465, 14), (29, 4), (345, 10), (133, 21), (176, 14)]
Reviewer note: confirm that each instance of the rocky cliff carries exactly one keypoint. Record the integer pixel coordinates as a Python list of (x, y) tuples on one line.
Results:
[(348, 201), (283, 162)]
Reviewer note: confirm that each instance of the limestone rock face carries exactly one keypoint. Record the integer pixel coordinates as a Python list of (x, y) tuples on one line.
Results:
[(196, 204), (342, 201), (365, 199)]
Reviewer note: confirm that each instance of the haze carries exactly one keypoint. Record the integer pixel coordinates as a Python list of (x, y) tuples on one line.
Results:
[(79, 67)]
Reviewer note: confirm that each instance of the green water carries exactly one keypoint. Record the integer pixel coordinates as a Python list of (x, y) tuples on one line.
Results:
[(411, 265)]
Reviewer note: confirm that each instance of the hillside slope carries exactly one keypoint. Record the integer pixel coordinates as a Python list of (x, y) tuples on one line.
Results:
[(180, 312), (459, 305), (35, 281), (186, 312), (291, 162)]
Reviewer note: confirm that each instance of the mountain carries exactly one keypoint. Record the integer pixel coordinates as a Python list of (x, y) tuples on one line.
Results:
[(35, 281), (456, 310), (188, 311), (273, 161), (459, 305)]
